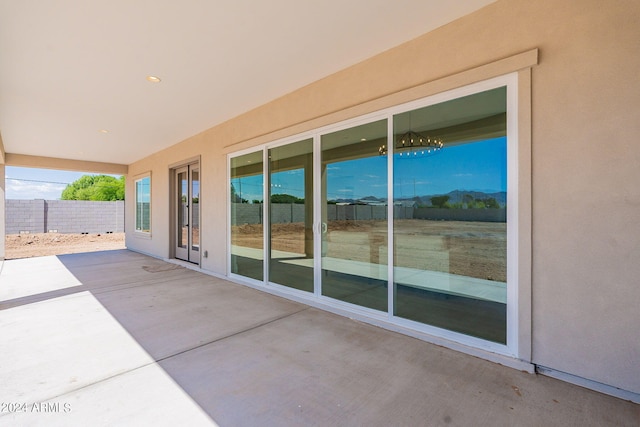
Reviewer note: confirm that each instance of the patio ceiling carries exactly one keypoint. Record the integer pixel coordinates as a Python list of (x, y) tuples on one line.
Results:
[(73, 73)]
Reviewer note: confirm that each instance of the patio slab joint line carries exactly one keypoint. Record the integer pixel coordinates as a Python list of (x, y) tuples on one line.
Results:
[(233, 334)]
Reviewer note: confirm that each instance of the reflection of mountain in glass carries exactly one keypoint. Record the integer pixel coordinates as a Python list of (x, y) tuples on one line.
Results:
[(454, 199)]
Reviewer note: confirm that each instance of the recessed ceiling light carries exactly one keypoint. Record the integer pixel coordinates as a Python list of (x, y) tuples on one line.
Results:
[(104, 131), (153, 79), (363, 139)]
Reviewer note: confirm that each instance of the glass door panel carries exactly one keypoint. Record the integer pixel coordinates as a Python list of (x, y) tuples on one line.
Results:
[(450, 229), (194, 222), (291, 215), (182, 213), (354, 215), (247, 237)]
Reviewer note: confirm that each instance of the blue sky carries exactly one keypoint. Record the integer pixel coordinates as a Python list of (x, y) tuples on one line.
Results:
[(29, 183), (478, 166)]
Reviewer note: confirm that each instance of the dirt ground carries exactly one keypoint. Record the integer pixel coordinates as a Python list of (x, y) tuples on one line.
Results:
[(43, 244), (474, 249)]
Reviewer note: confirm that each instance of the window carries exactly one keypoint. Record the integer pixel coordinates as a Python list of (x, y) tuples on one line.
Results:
[(143, 204)]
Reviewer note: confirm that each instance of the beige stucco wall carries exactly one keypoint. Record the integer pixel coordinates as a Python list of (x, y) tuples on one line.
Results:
[(584, 158)]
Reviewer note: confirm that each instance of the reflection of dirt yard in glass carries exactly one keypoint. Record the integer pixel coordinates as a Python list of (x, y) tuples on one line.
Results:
[(474, 249)]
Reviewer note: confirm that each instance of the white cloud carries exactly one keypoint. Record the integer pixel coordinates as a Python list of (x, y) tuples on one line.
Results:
[(18, 189), (412, 183)]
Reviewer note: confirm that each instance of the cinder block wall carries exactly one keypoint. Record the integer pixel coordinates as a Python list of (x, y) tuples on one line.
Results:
[(64, 216), (245, 213), (24, 216), (195, 207), (482, 215), (282, 213)]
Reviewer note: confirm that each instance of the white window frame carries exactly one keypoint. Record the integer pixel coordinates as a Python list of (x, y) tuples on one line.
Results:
[(517, 348), (138, 179)]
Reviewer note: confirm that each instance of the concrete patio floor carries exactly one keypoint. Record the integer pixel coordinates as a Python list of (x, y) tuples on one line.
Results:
[(118, 338)]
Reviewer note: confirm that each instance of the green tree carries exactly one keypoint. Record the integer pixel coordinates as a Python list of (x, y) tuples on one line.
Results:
[(491, 203), (286, 198), (95, 187), (440, 201)]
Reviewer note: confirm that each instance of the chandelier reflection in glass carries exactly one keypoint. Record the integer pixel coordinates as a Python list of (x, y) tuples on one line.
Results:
[(412, 144)]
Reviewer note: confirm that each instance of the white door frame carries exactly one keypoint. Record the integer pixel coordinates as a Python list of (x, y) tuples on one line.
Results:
[(191, 251)]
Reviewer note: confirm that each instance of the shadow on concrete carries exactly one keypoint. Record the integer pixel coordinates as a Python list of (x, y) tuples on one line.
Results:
[(249, 358)]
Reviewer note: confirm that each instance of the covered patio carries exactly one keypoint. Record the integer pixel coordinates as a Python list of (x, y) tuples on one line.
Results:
[(120, 338)]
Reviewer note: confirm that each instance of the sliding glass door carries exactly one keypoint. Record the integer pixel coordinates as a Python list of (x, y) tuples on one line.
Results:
[(354, 215), (450, 225), (291, 215), (246, 200), (403, 215)]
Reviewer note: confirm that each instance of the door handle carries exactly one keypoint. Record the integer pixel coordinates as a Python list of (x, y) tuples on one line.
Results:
[(321, 227)]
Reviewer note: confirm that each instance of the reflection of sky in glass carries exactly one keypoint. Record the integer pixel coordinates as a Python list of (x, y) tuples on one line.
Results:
[(196, 189), (248, 187), (288, 182), (357, 179), (478, 166), (143, 190)]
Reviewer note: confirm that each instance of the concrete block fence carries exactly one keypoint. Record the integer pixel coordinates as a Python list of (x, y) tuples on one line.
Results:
[(249, 213), (63, 216)]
